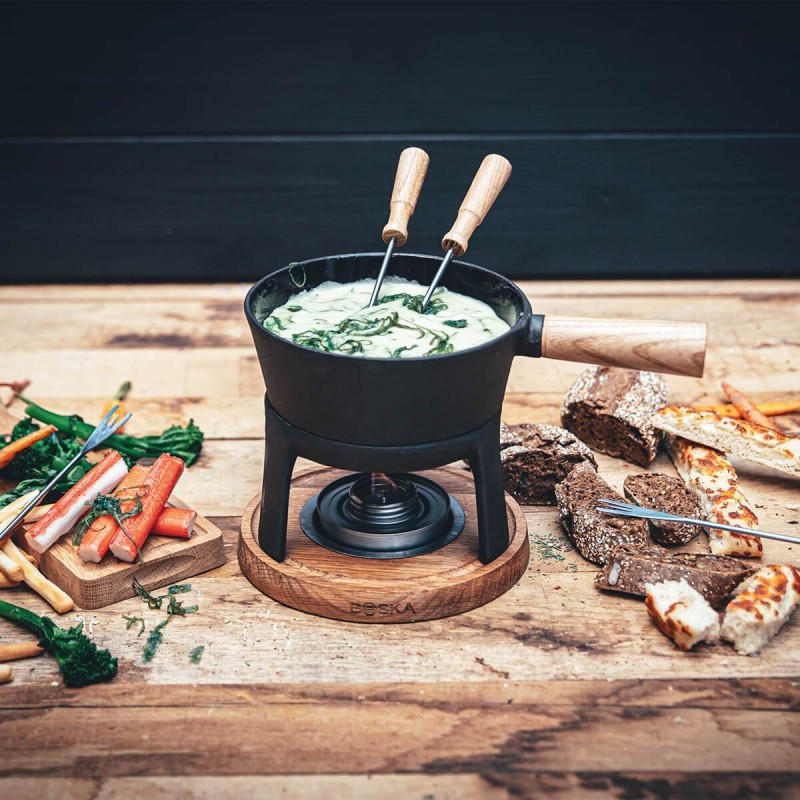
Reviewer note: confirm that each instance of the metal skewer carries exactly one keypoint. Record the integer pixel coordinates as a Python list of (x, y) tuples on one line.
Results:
[(411, 169), (110, 424), (487, 184), (639, 512)]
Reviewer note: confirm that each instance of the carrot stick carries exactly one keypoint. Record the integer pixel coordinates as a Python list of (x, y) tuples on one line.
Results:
[(12, 652), (68, 509), (158, 486), (5, 673), (119, 396), (98, 538), (746, 408), (774, 408), (177, 523), (57, 598), (10, 451)]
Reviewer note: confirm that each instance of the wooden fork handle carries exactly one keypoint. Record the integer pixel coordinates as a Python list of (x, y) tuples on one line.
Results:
[(411, 169)]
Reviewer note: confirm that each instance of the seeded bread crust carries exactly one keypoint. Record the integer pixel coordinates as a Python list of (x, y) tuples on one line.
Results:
[(670, 495), (628, 569), (536, 457), (593, 533), (610, 409), (714, 481)]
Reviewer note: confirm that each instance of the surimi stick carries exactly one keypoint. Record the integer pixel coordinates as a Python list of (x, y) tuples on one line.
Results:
[(96, 541), (57, 598), (158, 486), (745, 408), (177, 523), (101, 478), (17, 650)]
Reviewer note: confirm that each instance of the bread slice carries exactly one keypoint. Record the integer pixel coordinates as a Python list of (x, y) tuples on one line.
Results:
[(670, 495), (593, 533), (714, 481), (681, 613), (536, 457), (610, 409), (735, 436), (627, 570), (761, 606)]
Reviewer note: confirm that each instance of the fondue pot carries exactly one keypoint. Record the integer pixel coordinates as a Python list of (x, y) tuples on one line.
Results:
[(412, 401)]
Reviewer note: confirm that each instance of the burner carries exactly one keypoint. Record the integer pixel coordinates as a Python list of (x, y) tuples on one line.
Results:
[(382, 516)]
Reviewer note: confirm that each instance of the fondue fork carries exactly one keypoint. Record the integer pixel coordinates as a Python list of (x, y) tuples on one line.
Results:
[(487, 184), (639, 512), (411, 169)]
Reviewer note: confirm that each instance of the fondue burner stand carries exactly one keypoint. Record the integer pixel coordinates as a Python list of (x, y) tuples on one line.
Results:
[(382, 545)]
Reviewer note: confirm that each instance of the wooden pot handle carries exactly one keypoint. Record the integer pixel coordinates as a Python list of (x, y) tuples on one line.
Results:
[(487, 184), (653, 345), (411, 169)]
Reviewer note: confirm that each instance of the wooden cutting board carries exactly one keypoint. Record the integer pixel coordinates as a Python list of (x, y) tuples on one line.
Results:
[(163, 561)]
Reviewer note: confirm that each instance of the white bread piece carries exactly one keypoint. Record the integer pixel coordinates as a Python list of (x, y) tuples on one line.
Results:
[(681, 613), (713, 479), (761, 605), (735, 436)]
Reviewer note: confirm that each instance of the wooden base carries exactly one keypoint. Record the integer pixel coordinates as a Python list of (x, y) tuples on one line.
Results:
[(439, 584), (163, 561)]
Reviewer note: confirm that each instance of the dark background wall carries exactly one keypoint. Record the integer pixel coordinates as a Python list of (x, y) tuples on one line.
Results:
[(208, 141)]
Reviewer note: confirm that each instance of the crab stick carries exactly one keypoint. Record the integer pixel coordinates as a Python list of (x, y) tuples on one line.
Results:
[(177, 523), (97, 539), (158, 486), (66, 511)]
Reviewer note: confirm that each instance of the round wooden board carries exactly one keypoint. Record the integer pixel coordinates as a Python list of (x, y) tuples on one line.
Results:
[(438, 584)]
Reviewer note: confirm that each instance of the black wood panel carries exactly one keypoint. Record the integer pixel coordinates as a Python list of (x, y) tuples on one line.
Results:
[(166, 68), (587, 207)]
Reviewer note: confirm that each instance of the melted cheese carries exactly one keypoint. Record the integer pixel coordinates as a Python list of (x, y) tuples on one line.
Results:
[(334, 317)]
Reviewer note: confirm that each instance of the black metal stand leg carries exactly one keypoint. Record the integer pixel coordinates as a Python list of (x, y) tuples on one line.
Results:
[(279, 461), (492, 520)]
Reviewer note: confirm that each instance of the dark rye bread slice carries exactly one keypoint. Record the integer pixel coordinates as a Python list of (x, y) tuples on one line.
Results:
[(610, 409), (670, 495), (628, 569), (536, 457), (593, 533)]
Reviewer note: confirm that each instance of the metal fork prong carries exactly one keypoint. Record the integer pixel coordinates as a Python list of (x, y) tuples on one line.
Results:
[(118, 424)]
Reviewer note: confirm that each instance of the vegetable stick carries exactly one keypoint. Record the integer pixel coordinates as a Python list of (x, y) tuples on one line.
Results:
[(17, 650), (10, 569), (178, 523), (7, 583), (96, 541), (745, 408), (10, 451), (158, 486), (75, 503), (57, 598), (774, 408), (5, 673), (119, 396)]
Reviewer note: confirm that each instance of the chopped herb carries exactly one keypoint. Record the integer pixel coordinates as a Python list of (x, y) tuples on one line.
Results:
[(396, 353), (294, 309), (154, 639), (456, 323), (550, 548), (180, 588), (106, 505), (300, 281), (274, 324), (196, 654), (175, 608), (151, 600), (133, 621)]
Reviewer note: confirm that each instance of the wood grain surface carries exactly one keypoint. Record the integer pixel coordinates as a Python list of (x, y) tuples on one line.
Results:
[(552, 689)]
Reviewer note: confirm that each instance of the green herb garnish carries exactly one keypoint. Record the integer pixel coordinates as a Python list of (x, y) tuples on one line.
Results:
[(154, 639), (196, 654), (106, 505), (300, 281), (456, 323), (133, 621)]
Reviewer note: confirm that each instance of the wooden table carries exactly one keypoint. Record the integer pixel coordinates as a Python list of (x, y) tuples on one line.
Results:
[(552, 689)]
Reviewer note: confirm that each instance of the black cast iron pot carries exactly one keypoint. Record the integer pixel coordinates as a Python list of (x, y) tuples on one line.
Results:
[(385, 401)]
